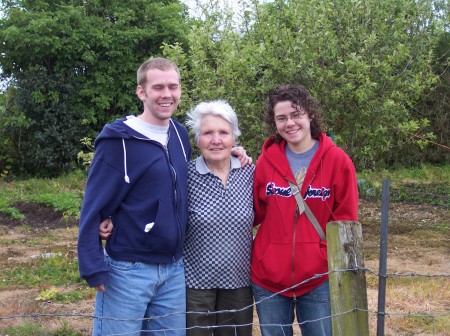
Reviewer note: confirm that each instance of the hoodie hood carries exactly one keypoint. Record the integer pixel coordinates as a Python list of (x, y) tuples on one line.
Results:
[(119, 130)]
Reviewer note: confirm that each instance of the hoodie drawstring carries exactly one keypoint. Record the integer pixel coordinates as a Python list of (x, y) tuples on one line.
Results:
[(179, 138), (127, 179)]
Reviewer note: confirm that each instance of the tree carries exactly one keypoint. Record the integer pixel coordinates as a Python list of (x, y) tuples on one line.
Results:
[(73, 65), (435, 106), (368, 62)]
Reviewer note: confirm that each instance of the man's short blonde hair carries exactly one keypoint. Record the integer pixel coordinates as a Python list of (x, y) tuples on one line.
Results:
[(159, 63)]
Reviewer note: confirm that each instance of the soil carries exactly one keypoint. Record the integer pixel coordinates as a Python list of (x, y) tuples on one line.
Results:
[(37, 217), (418, 243)]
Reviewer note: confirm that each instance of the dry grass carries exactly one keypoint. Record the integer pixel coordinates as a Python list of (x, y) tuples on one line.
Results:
[(418, 243)]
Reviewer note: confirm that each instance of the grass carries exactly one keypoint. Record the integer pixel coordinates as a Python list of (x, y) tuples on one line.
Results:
[(64, 194), (425, 184), (30, 328), (75, 295), (56, 279), (57, 270)]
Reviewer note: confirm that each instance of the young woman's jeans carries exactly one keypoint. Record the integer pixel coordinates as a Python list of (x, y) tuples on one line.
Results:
[(276, 314), (142, 297)]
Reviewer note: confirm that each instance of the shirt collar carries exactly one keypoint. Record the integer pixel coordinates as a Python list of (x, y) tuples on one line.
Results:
[(202, 168)]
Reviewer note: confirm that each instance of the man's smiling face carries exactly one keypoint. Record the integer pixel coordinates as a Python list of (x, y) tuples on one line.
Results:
[(160, 95)]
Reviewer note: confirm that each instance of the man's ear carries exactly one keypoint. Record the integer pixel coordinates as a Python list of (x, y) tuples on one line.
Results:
[(140, 92)]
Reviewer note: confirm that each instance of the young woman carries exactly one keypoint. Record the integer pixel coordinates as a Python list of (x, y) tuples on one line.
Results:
[(288, 251)]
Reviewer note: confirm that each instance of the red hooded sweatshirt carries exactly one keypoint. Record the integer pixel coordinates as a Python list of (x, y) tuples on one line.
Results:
[(287, 249)]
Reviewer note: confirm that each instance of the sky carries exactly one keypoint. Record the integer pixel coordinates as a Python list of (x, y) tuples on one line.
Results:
[(192, 4)]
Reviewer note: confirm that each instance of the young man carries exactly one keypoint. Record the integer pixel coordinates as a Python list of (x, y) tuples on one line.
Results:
[(138, 178)]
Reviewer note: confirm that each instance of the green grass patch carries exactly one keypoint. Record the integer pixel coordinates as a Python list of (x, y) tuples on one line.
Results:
[(29, 242), (9, 210), (412, 325), (31, 328), (63, 194), (423, 174), (76, 295), (58, 270), (443, 227), (425, 184), (53, 294)]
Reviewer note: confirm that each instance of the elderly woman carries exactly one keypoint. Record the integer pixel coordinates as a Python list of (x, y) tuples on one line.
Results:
[(219, 234)]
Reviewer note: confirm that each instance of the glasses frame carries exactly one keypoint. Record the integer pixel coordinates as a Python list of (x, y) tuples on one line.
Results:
[(282, 119)]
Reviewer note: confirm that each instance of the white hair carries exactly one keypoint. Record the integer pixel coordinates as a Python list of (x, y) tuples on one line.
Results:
[(218, 108)]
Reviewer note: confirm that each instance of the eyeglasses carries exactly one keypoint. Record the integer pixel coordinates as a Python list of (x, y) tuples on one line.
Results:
[(282, 119)]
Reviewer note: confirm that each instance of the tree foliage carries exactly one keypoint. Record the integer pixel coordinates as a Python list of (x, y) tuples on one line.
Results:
[(73, 65), (368, 62), (435, 106), (378, 67)]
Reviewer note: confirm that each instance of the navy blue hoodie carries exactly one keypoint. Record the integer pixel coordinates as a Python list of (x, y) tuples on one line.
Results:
[(143, 188)]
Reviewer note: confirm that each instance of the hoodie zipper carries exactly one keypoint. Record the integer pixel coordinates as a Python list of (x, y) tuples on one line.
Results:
[(174, 178), (293, 253), (174, 174), (297, 214)]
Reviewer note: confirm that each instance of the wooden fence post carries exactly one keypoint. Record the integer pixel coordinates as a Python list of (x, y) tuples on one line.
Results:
[(347, 289)]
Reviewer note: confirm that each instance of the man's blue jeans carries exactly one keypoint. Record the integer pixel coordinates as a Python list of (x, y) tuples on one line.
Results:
[(276, 314), (138, 291)]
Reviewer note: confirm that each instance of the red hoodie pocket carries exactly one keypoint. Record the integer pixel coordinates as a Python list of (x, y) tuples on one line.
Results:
[(311, 259), (273, 265), (283, 266)]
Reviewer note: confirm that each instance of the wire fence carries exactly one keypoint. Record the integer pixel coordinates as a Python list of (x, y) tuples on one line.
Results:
[(369, 271)]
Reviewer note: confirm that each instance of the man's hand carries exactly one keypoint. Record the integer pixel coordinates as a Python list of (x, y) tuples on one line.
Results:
[(100, 288), (241, 154), (105, 229)]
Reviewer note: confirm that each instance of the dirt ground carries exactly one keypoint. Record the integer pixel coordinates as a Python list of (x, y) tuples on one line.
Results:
[(415, 246)]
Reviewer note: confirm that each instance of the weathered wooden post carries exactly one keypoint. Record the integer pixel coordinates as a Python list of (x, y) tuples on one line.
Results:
[(347, 288)]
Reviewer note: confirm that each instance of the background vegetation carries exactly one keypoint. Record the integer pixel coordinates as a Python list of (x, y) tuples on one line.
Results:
[(40, 274), (379, 69), (72, 67)]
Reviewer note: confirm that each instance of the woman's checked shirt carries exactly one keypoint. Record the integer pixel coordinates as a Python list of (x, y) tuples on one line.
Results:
[(219, 233)]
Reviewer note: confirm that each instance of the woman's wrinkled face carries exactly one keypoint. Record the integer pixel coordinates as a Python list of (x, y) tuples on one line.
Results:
[(216, 139)]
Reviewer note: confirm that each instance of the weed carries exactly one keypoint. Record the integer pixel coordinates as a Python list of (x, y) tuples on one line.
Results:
[(75, 295), (366, 188), (47, 294), (63, 194), (9, 210), (35, 329), (412, 325), (426, 184), (28, 242), (66, 330), (443, 227), (67, 203), (54, 271), (27, 328)]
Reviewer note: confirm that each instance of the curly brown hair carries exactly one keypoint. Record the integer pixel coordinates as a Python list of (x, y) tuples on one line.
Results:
[(301, 99)]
